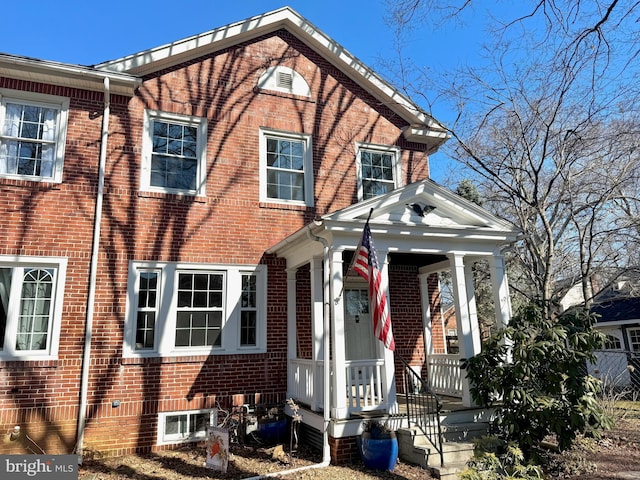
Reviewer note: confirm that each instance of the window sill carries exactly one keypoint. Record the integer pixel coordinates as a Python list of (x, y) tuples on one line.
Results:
[(285, 206), (178, 197), (28, 362), (173, 357)]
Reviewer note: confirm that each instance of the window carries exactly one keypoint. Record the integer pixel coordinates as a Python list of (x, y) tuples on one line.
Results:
[(634, 340), (286, 168), (612, 342), (378, 170), (32, 135), (174, 153), (31, 292), (249, 310), (177, 309), (147, 312), (200, 309), (189, 426)]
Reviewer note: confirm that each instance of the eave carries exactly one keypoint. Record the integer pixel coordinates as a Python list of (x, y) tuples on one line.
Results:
[(66, 75)]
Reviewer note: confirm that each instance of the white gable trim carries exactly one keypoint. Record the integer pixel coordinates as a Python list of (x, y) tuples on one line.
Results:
[(421, 128)]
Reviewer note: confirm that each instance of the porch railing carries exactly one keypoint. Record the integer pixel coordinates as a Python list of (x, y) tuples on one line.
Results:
[(364, 385), (423, 407), (445, 376), (364, 388), (305, 381)]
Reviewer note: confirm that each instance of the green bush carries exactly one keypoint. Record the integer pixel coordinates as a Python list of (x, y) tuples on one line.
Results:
[(534, 372), (495, 459)]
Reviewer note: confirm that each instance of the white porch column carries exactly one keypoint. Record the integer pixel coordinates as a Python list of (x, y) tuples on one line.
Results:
[(473, 309), (469, 347), (292, 344), (500, 286), (427, 320), (317, 328), (388, 372), (339, 392), (501, 297)]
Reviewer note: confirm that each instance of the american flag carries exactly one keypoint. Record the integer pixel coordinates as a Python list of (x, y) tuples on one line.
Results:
[(365, 264)]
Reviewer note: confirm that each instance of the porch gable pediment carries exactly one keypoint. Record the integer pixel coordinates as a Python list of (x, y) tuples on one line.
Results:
[(423, 203), (441, 222)]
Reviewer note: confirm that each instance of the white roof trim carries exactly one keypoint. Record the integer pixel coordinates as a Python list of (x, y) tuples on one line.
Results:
[(67, 75), (424, 128)]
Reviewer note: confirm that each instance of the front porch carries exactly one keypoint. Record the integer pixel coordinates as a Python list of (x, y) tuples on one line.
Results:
[(337, 370)]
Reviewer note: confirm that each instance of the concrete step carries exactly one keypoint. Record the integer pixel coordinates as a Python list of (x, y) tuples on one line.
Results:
[(414, 448), (448, 472)]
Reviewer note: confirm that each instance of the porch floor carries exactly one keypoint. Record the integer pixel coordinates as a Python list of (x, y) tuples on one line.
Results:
[(449, 404)]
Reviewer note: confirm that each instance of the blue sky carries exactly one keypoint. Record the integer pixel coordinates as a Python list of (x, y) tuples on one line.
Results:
[(86, 33)]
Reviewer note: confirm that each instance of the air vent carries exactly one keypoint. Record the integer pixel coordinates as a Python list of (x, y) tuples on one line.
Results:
[(285, 80)]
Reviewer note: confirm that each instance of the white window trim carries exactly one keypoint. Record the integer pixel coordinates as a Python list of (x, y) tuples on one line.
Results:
[(629, 330), (60, 264), (164, 439), (164, 338), (147, 149), (308, 166), (397, 166), (40, 99)]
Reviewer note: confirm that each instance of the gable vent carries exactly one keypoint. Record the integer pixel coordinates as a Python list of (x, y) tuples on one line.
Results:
[(285, 80)]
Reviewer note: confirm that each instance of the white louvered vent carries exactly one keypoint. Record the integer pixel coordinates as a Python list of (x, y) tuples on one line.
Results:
[(285, 80)]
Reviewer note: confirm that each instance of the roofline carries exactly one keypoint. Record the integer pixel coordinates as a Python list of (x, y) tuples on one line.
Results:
[(421, 128), (616, 323), (67, 75)]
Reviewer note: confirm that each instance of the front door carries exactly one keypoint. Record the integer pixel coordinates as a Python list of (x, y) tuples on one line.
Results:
[(358, 327)]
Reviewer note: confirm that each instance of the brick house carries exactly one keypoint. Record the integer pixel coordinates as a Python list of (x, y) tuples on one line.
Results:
[(175, 222)]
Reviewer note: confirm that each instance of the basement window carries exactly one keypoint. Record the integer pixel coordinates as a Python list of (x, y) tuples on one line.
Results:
[(188, 426)]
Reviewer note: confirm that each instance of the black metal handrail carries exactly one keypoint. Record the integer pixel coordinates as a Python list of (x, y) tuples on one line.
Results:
[(423, 407)]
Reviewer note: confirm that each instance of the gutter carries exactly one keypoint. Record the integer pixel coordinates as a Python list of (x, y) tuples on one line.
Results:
[(93, 269)]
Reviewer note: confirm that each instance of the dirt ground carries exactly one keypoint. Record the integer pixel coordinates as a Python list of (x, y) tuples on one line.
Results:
[(615, 456)]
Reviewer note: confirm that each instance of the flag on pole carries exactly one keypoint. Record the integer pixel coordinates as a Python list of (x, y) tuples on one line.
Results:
[(365, 263)]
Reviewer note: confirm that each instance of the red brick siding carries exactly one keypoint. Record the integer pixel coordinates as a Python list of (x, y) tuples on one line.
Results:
[(230, 225), (343, 450)]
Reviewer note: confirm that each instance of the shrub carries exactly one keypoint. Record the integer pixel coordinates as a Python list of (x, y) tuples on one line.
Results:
[(494, 459), (534, 371)]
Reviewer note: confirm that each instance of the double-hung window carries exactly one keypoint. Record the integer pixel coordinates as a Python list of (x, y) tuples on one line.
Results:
[(176, 309), (32, 135), (633, 334), (31, 292), (378, 170), (286, 170), (174, 153)]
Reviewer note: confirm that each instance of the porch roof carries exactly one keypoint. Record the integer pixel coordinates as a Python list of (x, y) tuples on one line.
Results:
[(447, 223)]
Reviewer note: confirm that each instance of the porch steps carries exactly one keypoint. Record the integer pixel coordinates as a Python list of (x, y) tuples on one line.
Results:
[(459, 428), (414, 448)]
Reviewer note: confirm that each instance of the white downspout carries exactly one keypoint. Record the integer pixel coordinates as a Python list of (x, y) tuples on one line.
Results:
[(86, 358), (326, 451), (326, 394)]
